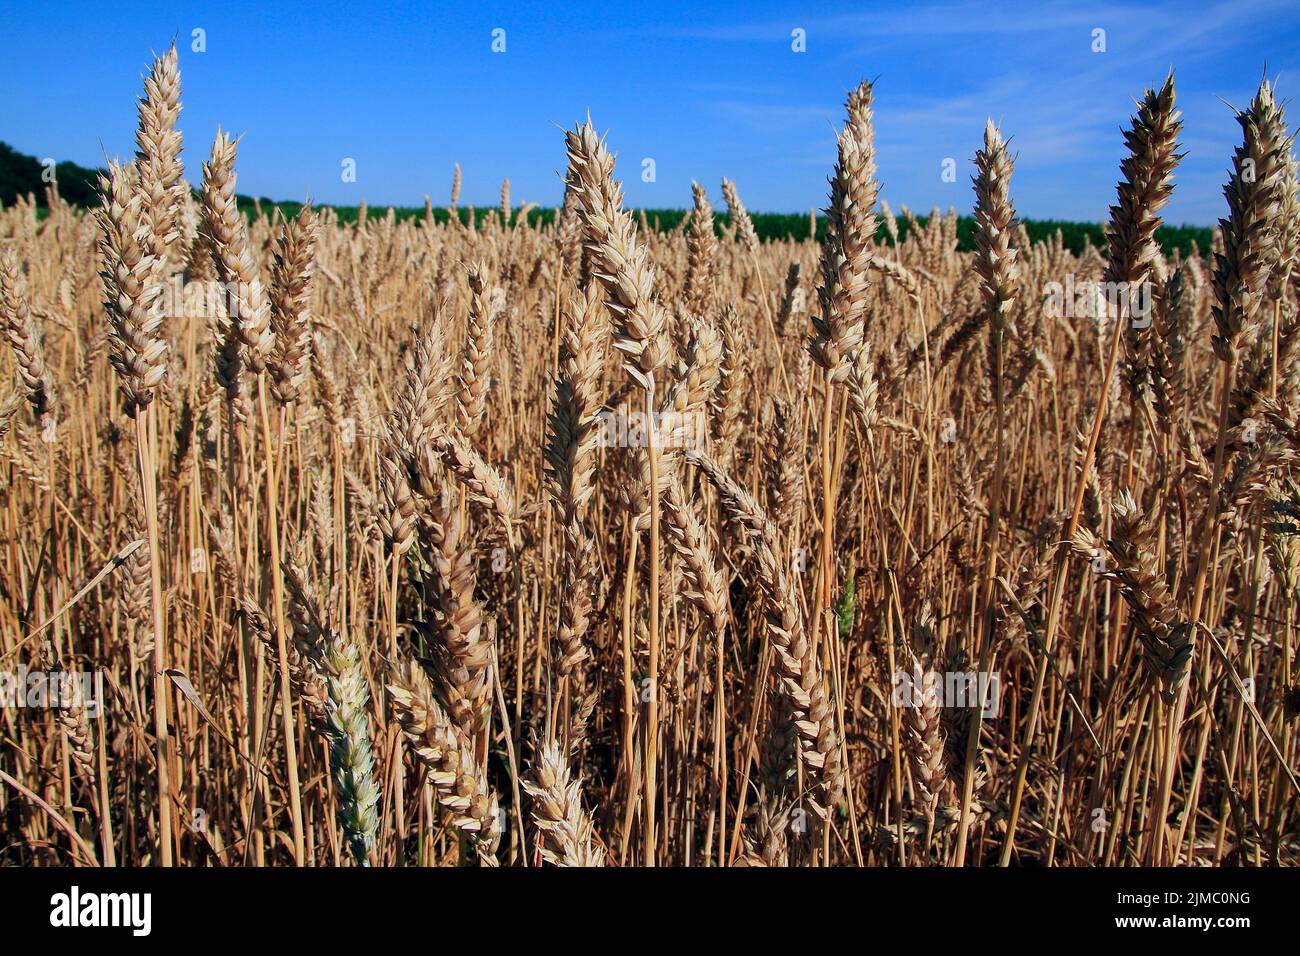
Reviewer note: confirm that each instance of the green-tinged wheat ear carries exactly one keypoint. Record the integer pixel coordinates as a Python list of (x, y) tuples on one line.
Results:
[(336, 660)]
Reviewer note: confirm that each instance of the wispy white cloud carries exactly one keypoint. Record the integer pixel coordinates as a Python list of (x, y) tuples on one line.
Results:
[(1173, 20)]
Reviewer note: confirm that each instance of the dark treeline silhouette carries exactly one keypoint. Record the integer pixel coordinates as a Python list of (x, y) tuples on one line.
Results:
[(21, 175)]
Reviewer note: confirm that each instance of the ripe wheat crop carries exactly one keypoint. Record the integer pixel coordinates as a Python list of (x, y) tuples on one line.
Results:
[(498, 540)]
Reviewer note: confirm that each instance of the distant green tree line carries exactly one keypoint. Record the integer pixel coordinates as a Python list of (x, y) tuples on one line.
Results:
[(21, 175)]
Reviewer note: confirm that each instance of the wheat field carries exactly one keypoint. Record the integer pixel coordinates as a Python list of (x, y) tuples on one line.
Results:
[(425, 543)]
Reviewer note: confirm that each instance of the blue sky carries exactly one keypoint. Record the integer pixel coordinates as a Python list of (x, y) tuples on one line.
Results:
[(707, 90)]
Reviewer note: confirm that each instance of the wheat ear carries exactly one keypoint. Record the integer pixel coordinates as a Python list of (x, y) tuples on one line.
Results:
[(564, 831), (471, 398), (336, 659), (798, 668), (291, 277), (448, 757), (572, 437), (236, 267), (20, 328)]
